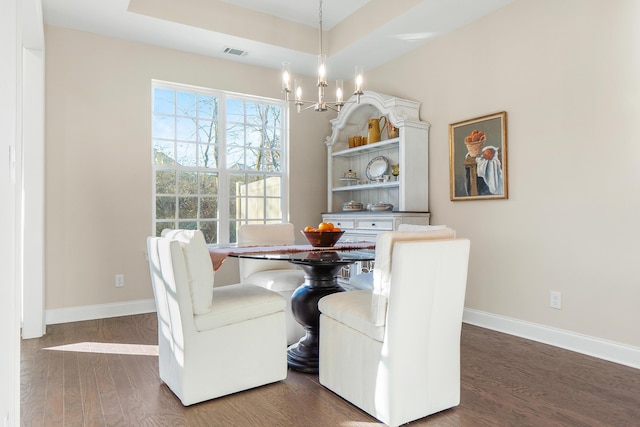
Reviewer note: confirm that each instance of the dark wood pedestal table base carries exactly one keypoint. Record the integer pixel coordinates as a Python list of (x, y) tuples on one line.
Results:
[(321, 268), (319, 281)]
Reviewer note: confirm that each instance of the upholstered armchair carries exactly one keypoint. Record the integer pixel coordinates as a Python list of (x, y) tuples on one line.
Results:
[(279, 276), (212, 341), (394, 351)]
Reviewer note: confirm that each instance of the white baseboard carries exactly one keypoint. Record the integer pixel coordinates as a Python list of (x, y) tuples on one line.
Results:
[(596, 347), (99, 311)]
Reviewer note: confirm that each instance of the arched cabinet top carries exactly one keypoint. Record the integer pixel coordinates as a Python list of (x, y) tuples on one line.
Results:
[(353, 117)]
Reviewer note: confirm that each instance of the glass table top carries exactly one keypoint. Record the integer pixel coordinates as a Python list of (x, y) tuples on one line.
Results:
[(316, 257)]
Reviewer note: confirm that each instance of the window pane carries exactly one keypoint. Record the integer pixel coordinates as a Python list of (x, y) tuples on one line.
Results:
[(207, 106), (210, 231), (234, 210), (186, 104), (208, 183), (161, 225), (275, 161), (186, 154), (252, 159), (256, 185), (253, 207), (236, 181), (208, 207), (273, 208), (254, 137), (235, 135), (233, 231), (165, 207), (188, 183), (163, 152), (208, 155), (273, 116), (165, 182), (163, 127), (186, 129), (188, 225), (275, 138), (187, 207), (274, 184), (163, 101), (206, 131), (255, 114), (235, 158), (236, 188), (235, 110)]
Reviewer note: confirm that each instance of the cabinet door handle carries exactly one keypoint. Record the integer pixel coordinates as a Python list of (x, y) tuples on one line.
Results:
[(373, 224), (338, 223)]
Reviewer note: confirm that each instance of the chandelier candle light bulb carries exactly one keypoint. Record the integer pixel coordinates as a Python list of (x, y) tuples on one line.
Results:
[(322, 70), (339, 93), (359, 80), (297, 84), (286, 78)]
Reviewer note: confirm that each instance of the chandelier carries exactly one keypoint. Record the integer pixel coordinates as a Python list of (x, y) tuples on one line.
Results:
[(321, 104)]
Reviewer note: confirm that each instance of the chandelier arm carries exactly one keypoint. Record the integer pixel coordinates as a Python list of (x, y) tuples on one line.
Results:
[(302, 101), (308, 106)]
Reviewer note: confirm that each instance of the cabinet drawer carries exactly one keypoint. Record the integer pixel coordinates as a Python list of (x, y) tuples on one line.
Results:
[(373, 224), (344, 224)]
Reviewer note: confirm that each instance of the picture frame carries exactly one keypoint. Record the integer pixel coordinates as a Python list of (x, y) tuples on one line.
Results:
[(478, 158)]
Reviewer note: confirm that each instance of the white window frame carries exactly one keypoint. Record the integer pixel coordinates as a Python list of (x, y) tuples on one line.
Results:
[(224, 219)]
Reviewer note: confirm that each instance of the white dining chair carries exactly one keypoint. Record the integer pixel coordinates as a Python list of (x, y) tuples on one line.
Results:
[(212, 341), (279, 276), (394, 350)]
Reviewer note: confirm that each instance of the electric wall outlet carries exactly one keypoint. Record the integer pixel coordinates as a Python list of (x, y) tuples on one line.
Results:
[(119, 280), (555, 300)]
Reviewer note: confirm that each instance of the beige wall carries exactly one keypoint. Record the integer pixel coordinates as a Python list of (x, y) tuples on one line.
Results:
[(568, 75), (98, 153)]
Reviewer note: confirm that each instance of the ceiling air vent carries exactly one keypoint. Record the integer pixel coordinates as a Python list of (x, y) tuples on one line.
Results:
[(232, 51)]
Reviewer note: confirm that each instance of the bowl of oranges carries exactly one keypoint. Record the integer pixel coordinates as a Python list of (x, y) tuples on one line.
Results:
[(325, 235)]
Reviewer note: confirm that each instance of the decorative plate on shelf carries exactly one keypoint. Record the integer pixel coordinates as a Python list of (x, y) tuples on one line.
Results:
[(380, 206), (377, 167)]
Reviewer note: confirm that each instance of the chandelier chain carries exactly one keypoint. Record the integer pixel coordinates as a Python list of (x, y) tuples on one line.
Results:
[(320, 20)]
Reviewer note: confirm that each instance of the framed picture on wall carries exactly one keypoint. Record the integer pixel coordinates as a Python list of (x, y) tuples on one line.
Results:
[(478, 158)]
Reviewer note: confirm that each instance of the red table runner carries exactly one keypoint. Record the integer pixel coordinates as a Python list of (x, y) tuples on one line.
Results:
[(219, 254)]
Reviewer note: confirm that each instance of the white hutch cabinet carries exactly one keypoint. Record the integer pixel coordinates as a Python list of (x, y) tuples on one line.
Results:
[(409, 193)]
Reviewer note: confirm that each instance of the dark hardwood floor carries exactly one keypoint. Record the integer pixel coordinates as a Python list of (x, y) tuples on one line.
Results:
[(506, 381)]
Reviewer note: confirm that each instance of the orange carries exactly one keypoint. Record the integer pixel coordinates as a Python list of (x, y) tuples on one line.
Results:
[(325, 226), (308, 228)]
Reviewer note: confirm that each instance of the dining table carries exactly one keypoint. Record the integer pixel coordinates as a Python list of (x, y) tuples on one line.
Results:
[(321, 269)]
